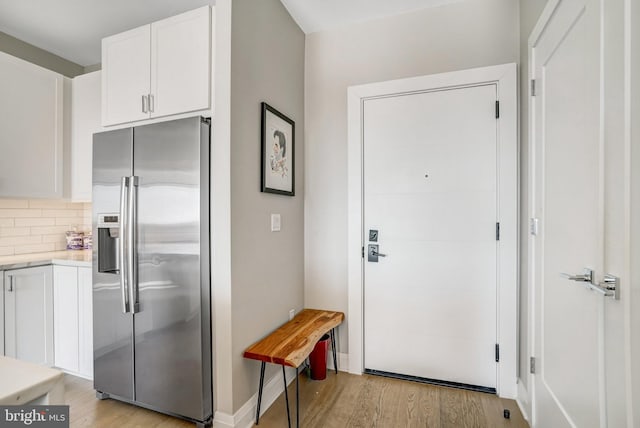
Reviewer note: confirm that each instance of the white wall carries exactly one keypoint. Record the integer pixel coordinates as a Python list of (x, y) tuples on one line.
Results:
[(459, 36)]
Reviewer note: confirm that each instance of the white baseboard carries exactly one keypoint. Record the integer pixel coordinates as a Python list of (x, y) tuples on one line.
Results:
[(522, 399), (343, 362), (245, 416)]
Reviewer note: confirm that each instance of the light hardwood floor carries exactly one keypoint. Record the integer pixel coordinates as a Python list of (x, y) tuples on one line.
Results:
[(339, 401)]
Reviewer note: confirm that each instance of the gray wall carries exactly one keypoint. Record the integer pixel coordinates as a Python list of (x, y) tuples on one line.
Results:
[(38, 56), (454, 37), (267, 268), (530, 11)]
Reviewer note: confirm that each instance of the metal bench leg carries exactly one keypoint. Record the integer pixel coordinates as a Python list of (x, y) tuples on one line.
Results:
[(333, 347), (260, 392), (297, 402), (286, 396)]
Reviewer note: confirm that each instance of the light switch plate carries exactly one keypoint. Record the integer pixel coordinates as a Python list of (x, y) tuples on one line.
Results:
[(275, 222)]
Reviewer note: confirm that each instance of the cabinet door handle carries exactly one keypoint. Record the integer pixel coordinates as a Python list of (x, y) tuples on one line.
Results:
[(10, 283), (144, 104), (151, 103)]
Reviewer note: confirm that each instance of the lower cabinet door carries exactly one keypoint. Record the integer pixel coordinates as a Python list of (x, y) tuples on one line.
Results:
[(28, 304), (85, 300), (65, 317)]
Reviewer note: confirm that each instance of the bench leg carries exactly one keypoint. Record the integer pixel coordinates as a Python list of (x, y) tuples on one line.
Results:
[(297, 402), (286, 396), (333, 347), (260, 392)]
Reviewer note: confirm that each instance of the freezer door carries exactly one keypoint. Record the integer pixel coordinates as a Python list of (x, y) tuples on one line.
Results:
[(112, 329), (172, 359)]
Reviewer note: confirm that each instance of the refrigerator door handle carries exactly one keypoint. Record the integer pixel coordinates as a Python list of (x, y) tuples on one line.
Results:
[(122, 247), (132, 244)]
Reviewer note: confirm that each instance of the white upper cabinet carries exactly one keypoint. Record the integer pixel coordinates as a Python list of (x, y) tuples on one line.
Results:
[(31, 130), (85, 121), (159, 69), (126, 61)]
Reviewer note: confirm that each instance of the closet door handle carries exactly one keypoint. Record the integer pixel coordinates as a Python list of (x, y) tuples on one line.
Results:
[(144, 104)]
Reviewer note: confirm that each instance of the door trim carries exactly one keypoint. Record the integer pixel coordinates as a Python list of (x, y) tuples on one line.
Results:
[(505, 78)]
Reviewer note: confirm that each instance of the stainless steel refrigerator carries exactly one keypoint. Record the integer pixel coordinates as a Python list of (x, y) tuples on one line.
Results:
[(151, 274)]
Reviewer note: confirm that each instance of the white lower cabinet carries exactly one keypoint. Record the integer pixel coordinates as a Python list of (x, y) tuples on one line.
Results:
[(85, 326), (73, 323), (28, 314)]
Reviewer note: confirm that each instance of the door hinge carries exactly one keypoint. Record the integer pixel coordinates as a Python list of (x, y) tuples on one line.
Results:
[(498, 231), (533, 87), (497, 353), (533, 226), (532, 365), (497, 109)]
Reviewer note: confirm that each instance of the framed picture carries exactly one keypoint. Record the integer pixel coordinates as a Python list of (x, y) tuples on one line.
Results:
[(278, 151)]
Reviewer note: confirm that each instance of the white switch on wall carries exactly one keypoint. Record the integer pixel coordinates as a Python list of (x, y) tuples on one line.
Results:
[(275, 222)]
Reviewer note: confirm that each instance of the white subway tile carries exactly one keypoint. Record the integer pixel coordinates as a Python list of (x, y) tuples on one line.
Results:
[(34, 248), (49, 230), (38, 221), (61, 246), (14, 231), (36, 203), (15, 213), (19, 240), (28, 226), (69, 221), (54, 238), (59, 213), (14, 203)]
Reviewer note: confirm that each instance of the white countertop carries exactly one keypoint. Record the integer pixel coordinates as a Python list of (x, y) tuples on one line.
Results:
[(23, 382), (80, 258)]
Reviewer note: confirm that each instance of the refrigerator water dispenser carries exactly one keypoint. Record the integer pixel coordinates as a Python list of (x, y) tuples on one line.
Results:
[(108, 239)]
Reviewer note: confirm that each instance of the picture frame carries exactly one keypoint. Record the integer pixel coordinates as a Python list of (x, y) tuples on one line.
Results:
[(277, 152)]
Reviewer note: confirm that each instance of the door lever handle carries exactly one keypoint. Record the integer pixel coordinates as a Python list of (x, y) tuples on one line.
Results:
[(374, 254), (587, 276), (610, 287)]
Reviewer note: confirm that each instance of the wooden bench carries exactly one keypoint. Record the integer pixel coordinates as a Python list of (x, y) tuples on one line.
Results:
[(291, 344)]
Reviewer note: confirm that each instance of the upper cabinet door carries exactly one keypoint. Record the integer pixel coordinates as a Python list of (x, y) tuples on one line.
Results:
[(158, 70), (85, 121), (126, 59), (180, 58), (31, 130)]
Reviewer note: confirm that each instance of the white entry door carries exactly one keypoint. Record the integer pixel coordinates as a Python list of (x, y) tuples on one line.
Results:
[(569, 380), (430, 205)]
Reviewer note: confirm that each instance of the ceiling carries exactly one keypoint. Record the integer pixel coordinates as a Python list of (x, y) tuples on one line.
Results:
[(319, 15), (73, 29)]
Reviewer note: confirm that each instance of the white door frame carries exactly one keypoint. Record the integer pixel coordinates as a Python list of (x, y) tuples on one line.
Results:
[(505, 78)]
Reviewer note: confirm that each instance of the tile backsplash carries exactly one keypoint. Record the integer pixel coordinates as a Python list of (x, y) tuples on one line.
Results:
[(36, 226)]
